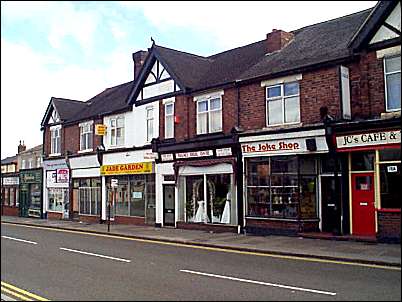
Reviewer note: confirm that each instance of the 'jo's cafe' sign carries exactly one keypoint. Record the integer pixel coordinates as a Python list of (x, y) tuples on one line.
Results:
[(368, 139)]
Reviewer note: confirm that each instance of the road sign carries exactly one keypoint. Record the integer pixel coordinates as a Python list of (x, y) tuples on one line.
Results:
[(114, 182), (100, 129)]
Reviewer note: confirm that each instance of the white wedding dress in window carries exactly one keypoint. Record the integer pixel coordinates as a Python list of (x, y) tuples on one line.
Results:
[(201, 215)]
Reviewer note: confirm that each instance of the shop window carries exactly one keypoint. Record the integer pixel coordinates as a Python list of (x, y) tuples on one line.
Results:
[(390, 185), (278, 195), (137, 195), (57, 198), (12, 197), (390, 154), (283, 103), (89, 195), (363, 161), (35, 196), (17, 198), (6, 196), (392, 74), (216, 206)]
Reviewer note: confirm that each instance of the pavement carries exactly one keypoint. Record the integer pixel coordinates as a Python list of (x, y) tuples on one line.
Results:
[(347, 251)]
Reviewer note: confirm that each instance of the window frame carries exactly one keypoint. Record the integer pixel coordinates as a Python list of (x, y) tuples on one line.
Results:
[(208, 113), (86, 135), (55, 141), (115, 128), (172, 120), (283, 98), (149, 123), (385, 80)]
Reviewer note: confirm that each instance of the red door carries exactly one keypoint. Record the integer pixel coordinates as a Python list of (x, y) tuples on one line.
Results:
[(363, 204)]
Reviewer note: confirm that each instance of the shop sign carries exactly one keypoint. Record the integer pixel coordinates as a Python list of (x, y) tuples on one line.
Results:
[(31, 176), (224, 152), (62, 175), (392, 169), (167, 157), (150, 155), (132, 168), (369, 139), (100, 129), (51, 180), (10, 181), (194, 154)]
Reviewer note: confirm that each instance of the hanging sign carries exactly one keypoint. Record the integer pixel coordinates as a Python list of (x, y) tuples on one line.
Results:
[(114, 182), (132, 168), (100, 129)]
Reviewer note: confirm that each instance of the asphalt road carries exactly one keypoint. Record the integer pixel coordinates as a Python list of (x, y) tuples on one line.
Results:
[(69, 266)]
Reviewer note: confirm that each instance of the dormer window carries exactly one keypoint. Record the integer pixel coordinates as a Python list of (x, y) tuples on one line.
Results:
[(392, 75)]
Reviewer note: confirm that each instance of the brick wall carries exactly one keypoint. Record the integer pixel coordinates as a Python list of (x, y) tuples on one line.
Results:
[(70, 140), (367, 86), (46, 143)]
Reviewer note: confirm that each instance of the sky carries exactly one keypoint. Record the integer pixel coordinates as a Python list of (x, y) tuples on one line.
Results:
[(75, 50)]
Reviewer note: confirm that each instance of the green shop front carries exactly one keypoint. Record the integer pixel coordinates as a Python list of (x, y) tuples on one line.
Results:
[(31, 198)]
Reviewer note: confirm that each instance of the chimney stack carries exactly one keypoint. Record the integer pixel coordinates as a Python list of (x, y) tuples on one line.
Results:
[(21, 147), (278, 39), (139, 59)]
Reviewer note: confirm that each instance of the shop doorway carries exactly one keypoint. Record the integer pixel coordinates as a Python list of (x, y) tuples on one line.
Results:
[(331, 219), (363, 211), (168, 205)]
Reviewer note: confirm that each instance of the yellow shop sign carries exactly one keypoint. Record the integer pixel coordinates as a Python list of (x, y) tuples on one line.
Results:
[(132, 168)]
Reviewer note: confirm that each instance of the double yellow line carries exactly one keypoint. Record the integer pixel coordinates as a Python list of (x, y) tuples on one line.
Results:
[(19, 293)]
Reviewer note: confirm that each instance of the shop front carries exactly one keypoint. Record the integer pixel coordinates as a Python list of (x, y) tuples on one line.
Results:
[(9, 194), (56, 189), (374, 157), (202, 193), (282, 175), (86, 189), (31, 204), (130, 192)]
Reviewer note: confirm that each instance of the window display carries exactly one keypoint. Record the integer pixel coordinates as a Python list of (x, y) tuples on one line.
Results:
[(58, 198), (274, 186), (89, 195)]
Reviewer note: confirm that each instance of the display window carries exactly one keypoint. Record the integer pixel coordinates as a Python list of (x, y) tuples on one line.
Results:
[(89, 195), (390, 178), (282, 186), (58, 199)]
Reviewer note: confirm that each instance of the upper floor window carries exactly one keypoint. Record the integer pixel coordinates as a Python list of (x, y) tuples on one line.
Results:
[(38, 162), (55, 141), (283, 103), (30, 163), (86, 137), (392, 74), (169, 120), (117, 131), (150, 123), (23, 164), (209, 115)]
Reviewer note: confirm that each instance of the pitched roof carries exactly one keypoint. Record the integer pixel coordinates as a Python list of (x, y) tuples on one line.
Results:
[(9, 160), (311, 45), (36, 148), (108, 101), (67, 108)]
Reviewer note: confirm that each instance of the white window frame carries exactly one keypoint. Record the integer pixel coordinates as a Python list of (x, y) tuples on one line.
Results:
[(85, 136), (282, 97), (23, 164), (170, 116), (30, 163), (38, 162), (385, 81), (208, 113), (150, 123), (55, 141), (113, 138)]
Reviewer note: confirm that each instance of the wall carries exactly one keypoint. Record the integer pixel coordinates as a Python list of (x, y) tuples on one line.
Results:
[(389, 226)]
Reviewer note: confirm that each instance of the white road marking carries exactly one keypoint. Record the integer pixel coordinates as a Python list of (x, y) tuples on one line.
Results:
[(261, 283), (16, 239), (97, 255)]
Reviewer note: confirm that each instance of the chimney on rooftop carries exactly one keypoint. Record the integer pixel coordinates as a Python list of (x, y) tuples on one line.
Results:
[(21, 147), (139, 59), (277, 39)]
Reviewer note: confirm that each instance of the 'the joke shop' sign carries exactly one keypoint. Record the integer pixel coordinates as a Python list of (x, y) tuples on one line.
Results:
[(368, 139)]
